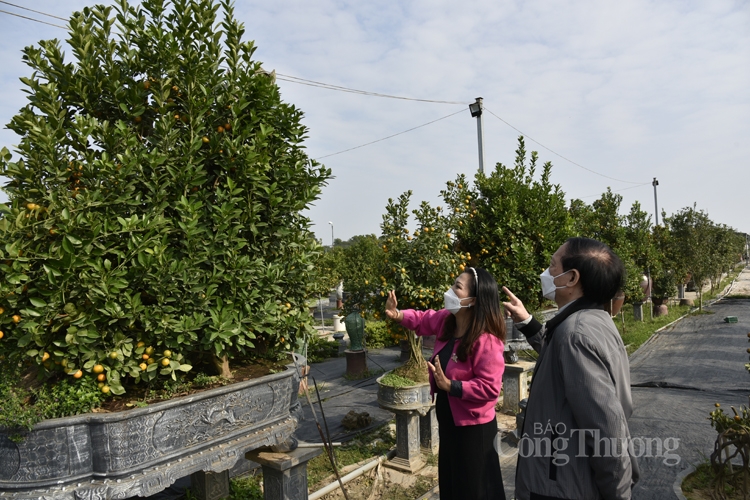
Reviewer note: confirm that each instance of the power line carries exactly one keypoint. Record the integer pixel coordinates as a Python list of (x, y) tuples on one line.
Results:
[(32, 19), (390, 136), (313, 83), (35, 11), (617, 191), (561, 156), (328, 86)]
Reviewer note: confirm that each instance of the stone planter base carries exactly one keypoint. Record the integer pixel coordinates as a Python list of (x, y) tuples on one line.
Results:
[(516, 384), (660, 310), (408, 457), (428, 432), (284, 474), (210, 485), (140, 452), (356, 363), (638, 312), (416, 424)]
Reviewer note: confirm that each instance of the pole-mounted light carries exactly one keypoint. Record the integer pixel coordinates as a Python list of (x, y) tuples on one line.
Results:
[(476, 112), (656, 205)]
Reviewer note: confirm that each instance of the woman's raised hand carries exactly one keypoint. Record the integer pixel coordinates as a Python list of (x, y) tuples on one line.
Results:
[(390, 306), (515, 307), (437, 372)]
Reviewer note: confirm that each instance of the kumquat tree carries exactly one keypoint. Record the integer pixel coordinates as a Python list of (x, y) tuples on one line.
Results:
[(154, 215), (509, 222), (419, 266)]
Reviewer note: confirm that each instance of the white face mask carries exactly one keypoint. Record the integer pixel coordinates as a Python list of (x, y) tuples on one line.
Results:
[(452, 302), (548, 284)]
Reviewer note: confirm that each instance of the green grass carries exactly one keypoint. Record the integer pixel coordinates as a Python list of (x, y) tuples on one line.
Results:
[(246, 488), (422, 486), (364, 446), (699, 479), (635, 333), (367, 445), (700, 483)]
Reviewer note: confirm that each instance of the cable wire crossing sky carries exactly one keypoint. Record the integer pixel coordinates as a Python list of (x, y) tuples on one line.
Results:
[(613, 95)]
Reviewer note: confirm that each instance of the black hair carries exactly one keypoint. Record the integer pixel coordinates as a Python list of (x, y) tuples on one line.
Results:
[(601, 271), (487, 316)]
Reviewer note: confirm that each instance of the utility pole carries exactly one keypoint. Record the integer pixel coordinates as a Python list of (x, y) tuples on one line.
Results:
[(332, 240), (476, 112), (656, 204)]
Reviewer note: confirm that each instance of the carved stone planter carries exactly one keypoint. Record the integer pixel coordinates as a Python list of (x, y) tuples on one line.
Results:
[(416, 423), (142, 451), (415, 397)]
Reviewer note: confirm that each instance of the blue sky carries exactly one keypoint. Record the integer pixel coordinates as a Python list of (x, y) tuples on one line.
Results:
[(632, 90)]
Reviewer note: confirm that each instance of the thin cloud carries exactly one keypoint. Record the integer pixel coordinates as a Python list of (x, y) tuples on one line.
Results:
[(634, 90)]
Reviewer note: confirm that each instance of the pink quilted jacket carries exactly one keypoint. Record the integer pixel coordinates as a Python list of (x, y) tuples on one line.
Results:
[(481, 375)]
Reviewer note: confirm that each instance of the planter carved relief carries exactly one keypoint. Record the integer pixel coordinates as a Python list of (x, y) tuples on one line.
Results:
[(142, 451)]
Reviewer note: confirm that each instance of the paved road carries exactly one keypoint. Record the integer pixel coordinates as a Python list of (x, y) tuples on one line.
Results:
[(676, 379)]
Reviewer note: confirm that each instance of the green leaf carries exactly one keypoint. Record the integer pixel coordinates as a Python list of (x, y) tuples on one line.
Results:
[(37, 302), (67, 246), (14, 279), (117, 389)]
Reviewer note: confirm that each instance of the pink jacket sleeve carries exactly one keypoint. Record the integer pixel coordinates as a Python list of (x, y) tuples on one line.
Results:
[(424, 323), (488, 367)]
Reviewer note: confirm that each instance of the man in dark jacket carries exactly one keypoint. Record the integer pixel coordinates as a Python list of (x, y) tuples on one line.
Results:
[(575, 438)]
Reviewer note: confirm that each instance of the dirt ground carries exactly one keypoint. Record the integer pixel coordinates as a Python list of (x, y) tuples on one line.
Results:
[(382, 483), (506, 422)]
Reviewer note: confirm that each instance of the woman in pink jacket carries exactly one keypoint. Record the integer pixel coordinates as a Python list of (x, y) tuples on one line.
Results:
[(466, 373)]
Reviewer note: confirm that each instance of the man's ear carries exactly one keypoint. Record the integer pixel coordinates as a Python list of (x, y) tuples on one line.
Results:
[(575, 278)]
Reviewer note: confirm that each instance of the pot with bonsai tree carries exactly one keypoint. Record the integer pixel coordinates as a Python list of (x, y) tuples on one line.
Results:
[(631, 291), (665, 286), (408, 396), (153, 229)]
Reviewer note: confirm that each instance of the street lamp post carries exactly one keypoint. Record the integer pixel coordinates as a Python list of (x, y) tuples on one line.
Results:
[(332, 240), (656, 205), (476, 112)]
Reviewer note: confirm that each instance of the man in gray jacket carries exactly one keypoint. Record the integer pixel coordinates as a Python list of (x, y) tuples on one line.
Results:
[(575, 438)]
